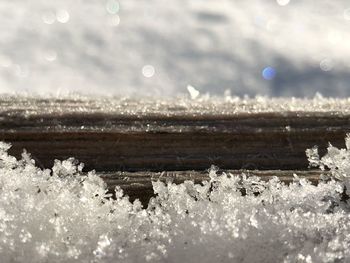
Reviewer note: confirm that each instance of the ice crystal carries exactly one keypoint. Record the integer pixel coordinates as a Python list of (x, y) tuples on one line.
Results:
[(63, 215), (336, 160)]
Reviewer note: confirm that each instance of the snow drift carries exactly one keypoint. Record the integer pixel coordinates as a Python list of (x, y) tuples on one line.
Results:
[(61, 215)]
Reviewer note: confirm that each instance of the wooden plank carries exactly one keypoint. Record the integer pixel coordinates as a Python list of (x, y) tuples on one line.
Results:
[(132, 143), (111, 135)]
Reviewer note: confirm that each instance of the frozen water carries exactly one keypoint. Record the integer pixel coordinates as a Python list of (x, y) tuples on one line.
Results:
[(336, 160), (61, 215), (194, 104), (102, 46)]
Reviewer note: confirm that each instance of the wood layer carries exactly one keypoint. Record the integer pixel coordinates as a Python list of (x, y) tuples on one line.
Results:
[(110, 143), (132, 143)]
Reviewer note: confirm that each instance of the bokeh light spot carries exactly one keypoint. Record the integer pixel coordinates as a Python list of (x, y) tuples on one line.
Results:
[(114, 21), (49, 18), (148, 71), (346, 14), (283, 2), (62, 16), (326, 64), (51, 55), (112, 7), (269, 73)]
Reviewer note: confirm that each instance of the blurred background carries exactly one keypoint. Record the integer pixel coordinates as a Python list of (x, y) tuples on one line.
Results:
[(159, 47)]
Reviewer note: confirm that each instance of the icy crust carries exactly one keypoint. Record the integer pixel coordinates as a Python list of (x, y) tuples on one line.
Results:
[(203, 105), (60, 215)]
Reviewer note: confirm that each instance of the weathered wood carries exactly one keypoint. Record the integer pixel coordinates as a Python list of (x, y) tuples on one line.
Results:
[(173, 151), (132, 143), (111, 135), (138, 185)]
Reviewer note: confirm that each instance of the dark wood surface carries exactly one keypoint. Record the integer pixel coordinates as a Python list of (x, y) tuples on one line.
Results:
[(130, 143)]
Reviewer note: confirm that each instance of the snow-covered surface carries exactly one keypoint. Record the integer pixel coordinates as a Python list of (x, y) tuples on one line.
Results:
[(151, 47), (183, 106), (63, 216)]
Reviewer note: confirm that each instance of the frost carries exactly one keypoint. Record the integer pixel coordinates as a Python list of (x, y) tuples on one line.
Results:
[(63, 215), (196, 104)]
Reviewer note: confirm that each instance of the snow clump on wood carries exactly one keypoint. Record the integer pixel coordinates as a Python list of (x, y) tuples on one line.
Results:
[(63, 215)]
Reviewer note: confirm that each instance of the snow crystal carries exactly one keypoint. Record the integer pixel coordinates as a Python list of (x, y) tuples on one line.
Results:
[(62, 215), (194, 93), (336, 160)]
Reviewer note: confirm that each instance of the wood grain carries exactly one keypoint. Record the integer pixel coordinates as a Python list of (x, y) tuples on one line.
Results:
[(131, 144), (126, 143)]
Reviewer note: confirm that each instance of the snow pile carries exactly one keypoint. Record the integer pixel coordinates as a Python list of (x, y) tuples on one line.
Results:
[(60, 215)]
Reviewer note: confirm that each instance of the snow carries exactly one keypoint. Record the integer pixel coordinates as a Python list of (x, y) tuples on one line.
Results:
[(94, 46), (186, 52), (336, 160), (191, 105), (61, 215)]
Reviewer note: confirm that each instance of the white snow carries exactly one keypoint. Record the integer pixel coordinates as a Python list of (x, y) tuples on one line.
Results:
[(192, 104), (194, 93), (101, 46), (156, 48), (60, 215)]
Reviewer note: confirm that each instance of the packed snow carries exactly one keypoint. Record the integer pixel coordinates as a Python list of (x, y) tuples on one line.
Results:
[(61, 215)]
